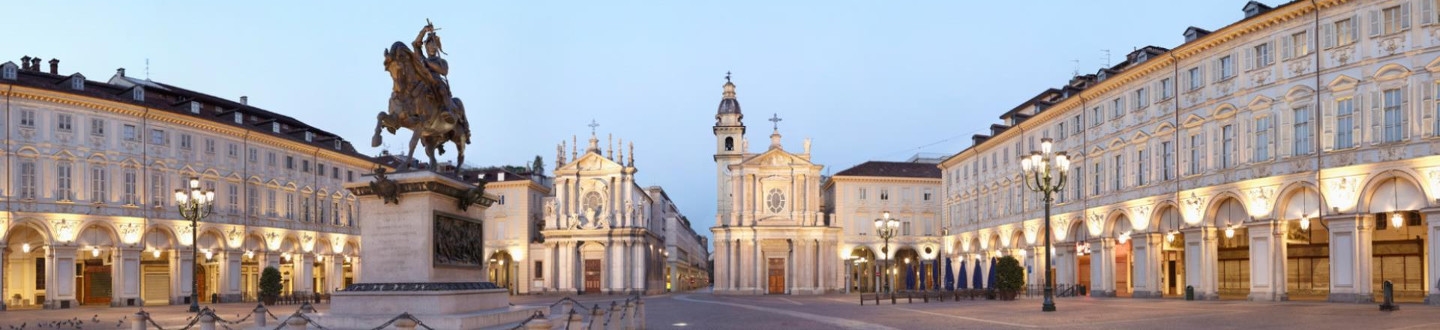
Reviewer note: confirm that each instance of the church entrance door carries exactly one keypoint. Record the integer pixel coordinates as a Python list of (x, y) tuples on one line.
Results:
[(777, 276), (592, 275)]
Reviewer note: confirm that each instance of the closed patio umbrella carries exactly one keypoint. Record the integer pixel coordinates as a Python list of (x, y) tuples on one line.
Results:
[(964, 277), (991, 279), (977, 281), (949, 276), (909, 277), (935, 277)]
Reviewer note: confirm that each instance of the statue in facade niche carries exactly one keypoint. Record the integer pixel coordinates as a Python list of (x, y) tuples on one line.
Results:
[(420, 99)]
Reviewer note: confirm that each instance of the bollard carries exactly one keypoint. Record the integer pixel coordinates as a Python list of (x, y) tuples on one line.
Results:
[(141, 318), (405, 324), (538, 323), (207, 321), (1389, 292), (575, 320), (566, 306), (612, 322), (639, 314), (597, 317), (260, 316), (629, 315), (295, 323), (1189, 292)]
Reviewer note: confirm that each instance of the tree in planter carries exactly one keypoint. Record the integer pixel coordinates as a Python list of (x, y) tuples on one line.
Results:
[(1010, 277), (270, 285)]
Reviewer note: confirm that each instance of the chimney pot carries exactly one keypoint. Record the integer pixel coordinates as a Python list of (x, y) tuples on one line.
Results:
[(245, 100), (25, 63), (120, 72), (35, 63), (54, 66)]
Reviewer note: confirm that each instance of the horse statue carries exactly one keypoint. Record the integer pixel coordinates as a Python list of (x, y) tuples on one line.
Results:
[(421, 101)]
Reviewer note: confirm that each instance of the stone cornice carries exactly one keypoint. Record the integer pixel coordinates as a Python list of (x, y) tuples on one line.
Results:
[(1285, 13)]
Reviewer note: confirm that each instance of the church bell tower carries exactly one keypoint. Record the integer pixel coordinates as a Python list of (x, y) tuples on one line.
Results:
[(729, 149)]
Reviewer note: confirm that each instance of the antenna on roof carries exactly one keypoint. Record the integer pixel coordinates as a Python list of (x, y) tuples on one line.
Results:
[(147, 68), (1077, 67), (1107, 57)]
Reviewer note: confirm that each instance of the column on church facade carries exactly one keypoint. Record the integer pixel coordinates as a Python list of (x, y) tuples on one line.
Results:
[(564, 263), (754, 199), (1200, 261), (125, 276), (1267, 260), (736, 207), (639, 255), (757, 265), (1350, 257), (1147, 250)]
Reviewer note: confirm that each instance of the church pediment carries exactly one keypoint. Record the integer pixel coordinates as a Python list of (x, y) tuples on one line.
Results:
[(591, 162), (776, 157)]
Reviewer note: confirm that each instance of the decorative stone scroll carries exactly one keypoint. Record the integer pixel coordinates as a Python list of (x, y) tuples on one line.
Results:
[(458, 242)]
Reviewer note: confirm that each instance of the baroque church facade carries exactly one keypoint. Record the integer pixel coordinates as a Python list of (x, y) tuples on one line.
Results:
[(771, 236)]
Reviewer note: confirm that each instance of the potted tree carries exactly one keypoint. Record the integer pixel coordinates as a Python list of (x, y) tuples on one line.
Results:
[(1010, 277), (270, 285)]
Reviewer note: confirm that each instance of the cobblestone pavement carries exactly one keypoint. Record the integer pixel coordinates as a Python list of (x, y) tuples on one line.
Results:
[(701, 310)]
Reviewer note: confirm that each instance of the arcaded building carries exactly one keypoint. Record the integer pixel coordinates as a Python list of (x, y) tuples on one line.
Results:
[(87, 194), (1287, 156)]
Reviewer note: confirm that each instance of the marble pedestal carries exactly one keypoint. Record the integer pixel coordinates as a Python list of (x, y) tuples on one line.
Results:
[(421, 257)]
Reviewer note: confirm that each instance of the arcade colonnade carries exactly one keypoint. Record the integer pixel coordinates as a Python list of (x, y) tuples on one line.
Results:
[(1269, 239), (64, 263)]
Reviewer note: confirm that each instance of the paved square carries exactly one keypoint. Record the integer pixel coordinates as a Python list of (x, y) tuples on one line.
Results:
[(701, 310)]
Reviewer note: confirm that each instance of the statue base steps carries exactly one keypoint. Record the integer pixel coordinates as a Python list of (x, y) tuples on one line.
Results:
[(459, 309)]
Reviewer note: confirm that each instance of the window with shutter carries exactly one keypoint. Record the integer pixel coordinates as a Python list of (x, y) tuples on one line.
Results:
[(1393, 116), (1262, 139), (1227, 146), (1374, 20), (1327, 126), (1345, 123), (1302, 131), (1327, 34), (1427, 12), (1428, 109)]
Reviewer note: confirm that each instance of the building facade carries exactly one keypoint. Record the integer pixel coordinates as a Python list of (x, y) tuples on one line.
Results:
[(771, 236), (513, 224), (1286, 156), (89, 174), (686, 253), (910, 192), (604, 233)]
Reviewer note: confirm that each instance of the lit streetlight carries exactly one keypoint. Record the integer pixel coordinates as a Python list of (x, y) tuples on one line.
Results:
[(886, 227), (1044, 172), (194, 204)]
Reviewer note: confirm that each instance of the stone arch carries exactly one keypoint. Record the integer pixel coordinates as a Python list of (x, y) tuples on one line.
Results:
[(159, 238), (1299, 93), (1224, 110), (254, 243), (96, 233), (1297, 199), (1392, 190), (1226, 209), (1113, 223), (40, 227), (1166, 218), (1077, 232), (211, 240), (1017, 239)]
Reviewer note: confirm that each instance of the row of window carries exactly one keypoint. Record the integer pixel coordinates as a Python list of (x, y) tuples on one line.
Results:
[(64, 122), (864, 194), (28, 184)]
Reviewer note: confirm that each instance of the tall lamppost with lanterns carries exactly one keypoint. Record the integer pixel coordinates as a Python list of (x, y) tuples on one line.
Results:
[(194, 204), (1044, 172), (886, 227)]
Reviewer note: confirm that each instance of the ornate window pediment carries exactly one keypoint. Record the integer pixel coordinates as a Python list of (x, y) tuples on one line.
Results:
[(775, 200)]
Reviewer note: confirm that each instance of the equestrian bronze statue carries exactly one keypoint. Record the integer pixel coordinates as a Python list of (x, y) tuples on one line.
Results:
[(421, 100)]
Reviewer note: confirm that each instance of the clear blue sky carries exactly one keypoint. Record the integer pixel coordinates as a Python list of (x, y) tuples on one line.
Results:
[(867, 80)]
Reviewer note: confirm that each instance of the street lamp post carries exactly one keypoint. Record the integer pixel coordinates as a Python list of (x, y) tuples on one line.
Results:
[(886, 227), (194, 204), (1044, 172)]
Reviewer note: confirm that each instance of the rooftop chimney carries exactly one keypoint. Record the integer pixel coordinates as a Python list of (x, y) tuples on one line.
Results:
[(54, 66), (35, 63), (120, 72), (25, 63), (245, 100)]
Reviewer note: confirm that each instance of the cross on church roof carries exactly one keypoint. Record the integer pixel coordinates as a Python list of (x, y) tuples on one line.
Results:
[(727, 76), (776, 119), (593, 125)]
